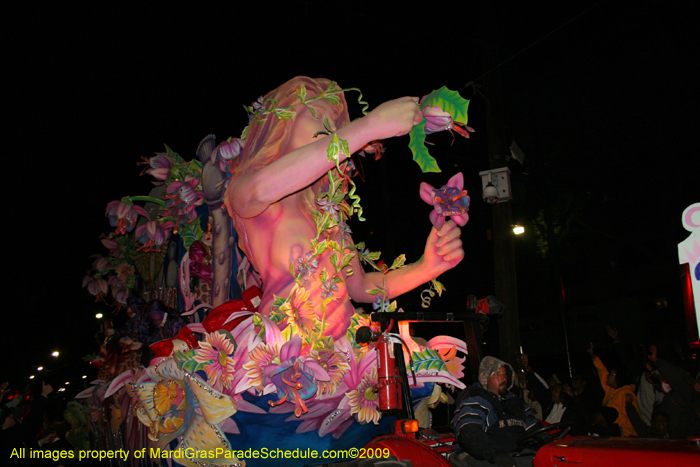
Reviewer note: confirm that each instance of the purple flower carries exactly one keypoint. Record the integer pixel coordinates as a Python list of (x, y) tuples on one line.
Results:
[(153, 234), (226, 154), (160, 166), (121, 295), (112, 246), (182, 198), (379, 302), (259, 105), (125, 272), (436, 120), (331, 208), (328, 288), (100, 263), (450, 200), (95, 285), (344, 229), (295, 378), (123, 215), (307, 264)]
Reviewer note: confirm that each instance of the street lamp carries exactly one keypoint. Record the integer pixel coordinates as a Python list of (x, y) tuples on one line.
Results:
[(518, 229)]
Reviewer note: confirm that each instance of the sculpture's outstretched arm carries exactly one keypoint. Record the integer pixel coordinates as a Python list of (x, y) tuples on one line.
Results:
[(443, 251), (307, 160)]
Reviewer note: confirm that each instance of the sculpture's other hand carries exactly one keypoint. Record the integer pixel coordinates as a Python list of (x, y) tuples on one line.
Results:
[(443, 250)]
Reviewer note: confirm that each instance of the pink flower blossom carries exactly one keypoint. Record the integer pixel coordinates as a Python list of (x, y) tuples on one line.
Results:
[(364, 401), (125, 272), (153, 234), (181, 200), (120, 295), (259, 358), (436, 120), (450, 200), (96, 286), (335, 365), (226, 154), (295, 378), (113, 246), (123, 215), (100, 263), (216, 351), (160, 167)]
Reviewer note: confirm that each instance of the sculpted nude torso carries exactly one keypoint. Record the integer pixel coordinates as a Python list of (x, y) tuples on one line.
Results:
[(272, 195)]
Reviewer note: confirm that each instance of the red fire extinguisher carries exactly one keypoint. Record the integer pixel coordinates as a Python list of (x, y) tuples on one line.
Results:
[(389, 383)]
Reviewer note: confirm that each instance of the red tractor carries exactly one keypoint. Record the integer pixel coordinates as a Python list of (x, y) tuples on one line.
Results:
[(408, 445)]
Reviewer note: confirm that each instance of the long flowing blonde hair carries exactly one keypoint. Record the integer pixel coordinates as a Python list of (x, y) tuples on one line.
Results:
[(266, 141)]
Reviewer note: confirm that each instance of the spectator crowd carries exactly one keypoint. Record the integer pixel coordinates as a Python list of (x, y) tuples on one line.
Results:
[(646, 397)]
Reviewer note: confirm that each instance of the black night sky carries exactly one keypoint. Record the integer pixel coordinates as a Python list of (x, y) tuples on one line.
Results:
[(601, 97)]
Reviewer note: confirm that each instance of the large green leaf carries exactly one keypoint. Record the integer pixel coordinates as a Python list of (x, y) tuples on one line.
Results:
[(450, 102), (191, 232), (425, 161), (427, 360)]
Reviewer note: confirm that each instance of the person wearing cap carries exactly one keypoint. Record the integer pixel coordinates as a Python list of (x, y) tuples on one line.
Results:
[(489, 418)]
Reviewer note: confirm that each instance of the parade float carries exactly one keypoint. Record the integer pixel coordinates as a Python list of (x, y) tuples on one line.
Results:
[(211, 361)]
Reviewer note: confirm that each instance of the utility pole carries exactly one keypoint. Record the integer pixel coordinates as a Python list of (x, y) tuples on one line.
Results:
[(503, 249)]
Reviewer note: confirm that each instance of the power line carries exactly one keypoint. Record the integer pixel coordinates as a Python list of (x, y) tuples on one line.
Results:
[(536, 42)]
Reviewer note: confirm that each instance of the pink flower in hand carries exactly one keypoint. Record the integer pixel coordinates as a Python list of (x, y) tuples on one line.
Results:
[(436, 120), (450, 200)]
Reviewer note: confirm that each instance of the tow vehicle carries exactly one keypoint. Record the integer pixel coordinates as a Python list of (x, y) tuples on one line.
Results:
[(550, 446)]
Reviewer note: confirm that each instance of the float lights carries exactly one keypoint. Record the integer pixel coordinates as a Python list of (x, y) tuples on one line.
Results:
[(54, 353), (98, 316), (39, 368), (518, 229)]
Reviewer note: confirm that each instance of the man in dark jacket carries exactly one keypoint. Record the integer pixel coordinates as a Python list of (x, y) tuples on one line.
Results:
[(489, 418)]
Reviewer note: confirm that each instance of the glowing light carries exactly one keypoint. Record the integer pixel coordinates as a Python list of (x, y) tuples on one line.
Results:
[(54, 353), (31, 377), (84, 376), (98, 316), (39, 368), (518, 229), (67, 383)]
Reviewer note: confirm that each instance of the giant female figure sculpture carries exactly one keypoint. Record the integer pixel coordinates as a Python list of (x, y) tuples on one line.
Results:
[(291, 375), (273, 198)]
